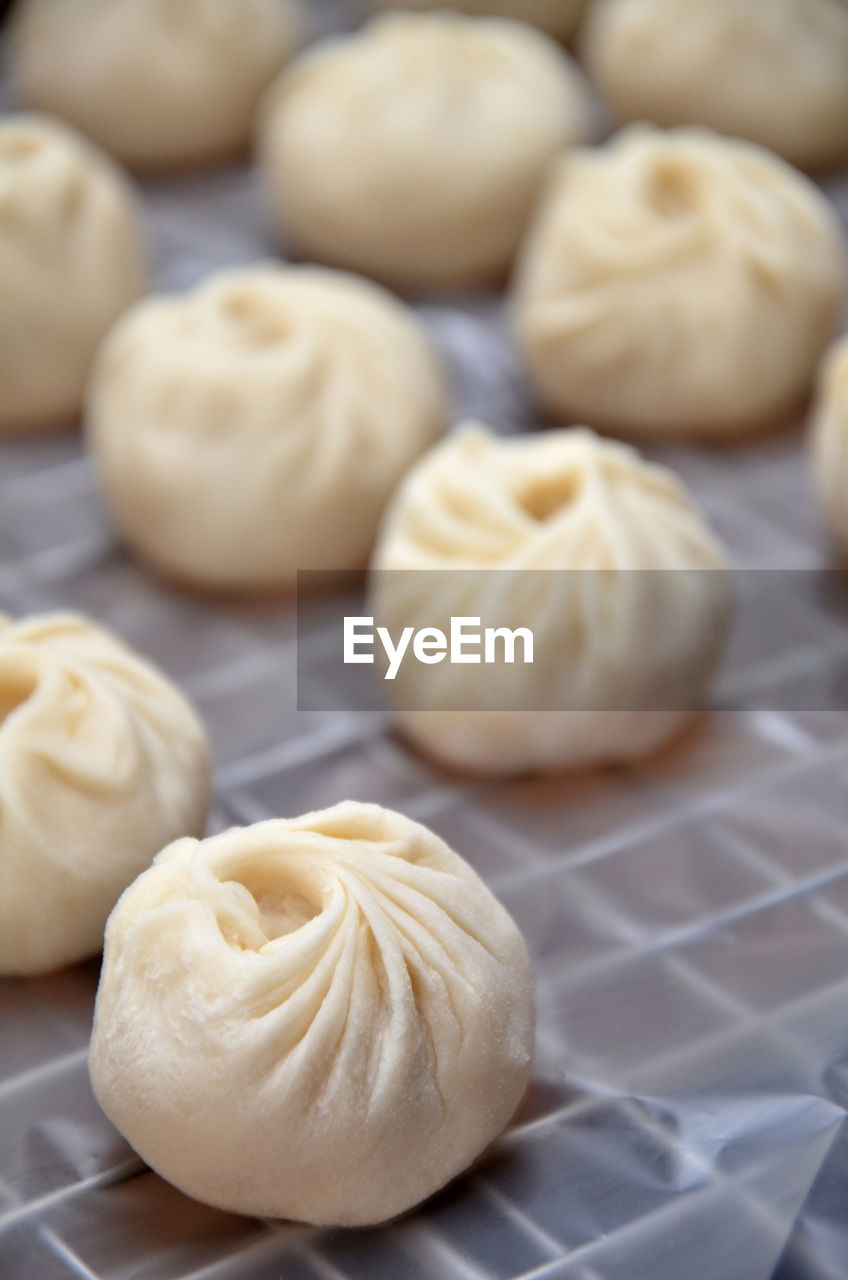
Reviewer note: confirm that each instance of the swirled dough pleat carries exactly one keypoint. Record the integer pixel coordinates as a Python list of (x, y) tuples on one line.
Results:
[(159, 83), (602, 556), (414, 150), (323, 1018), (257, 426), (71, 260), (102, 763), (678, 284), (770, 71)]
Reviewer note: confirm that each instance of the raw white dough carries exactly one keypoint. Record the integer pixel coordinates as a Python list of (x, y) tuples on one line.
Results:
[(679, 284), (774, 71), (557, 17), (324, 1018), (102, 763), (258, 425), (71, 260), (582, 542), (160, 83), (413, 150), (830, 442)]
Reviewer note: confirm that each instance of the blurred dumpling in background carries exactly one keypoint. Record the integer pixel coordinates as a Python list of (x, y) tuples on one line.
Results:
[(603, 557), (558, 17), (258, 425), (830, 442), (159, 83), (774, 71), (71, 260), (679, 284), (413, 151), (102, 763)]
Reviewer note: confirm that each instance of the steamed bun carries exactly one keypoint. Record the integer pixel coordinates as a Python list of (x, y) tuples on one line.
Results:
[(258, 425), (159, 83), (830, 442), (413, 150), (558, 17), (603, 557), (679, 284), (322, 1018), (71, 260), (102, 763), (774, 71)]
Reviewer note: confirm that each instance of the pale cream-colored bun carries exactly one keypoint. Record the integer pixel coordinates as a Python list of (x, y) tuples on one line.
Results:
[(102, 763), (602, 556), (159, 83), (258, 425), (773, 71), (678, 284), (71, 260), (321, 1018), (558, 17), (413, 150), (830, 442)]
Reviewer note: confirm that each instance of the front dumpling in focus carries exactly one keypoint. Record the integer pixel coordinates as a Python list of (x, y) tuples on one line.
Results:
[(830, 442), (258, 425), (159, 83), (413, 151), (102, 763), (773, 71), (679, 284), (603, 557), (322, 1018), (558, 17), (71, 260)]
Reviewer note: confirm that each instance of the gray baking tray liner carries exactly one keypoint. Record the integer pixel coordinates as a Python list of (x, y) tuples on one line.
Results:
[(688, 918)]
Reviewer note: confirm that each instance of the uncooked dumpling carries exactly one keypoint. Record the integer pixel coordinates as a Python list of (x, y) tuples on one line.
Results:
[(679, 284), (413, 151), (71, 260), (830, 442), (322, 1018), (774, 71), (258, 425), (558, 17), (603, 557), (102, 763), (159, 83)]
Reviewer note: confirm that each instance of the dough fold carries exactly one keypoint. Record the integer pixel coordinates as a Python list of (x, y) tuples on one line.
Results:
[(772, 71), (413, 151), (602, 556), (322, 1018), (679, 284), (159, 83), (258, 425), (102, 763), (71, 260)]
